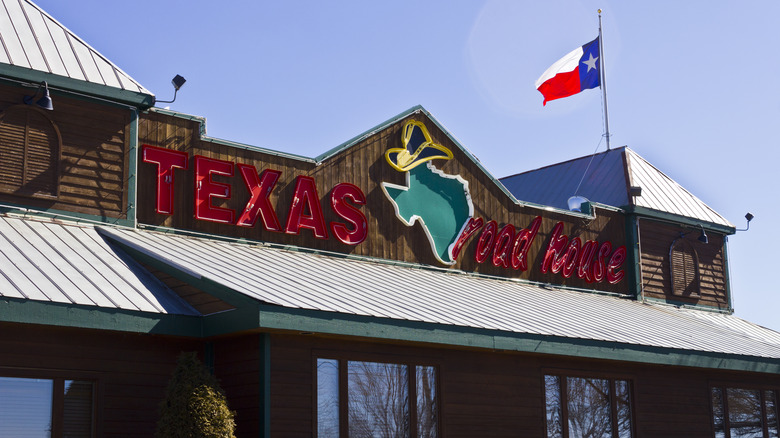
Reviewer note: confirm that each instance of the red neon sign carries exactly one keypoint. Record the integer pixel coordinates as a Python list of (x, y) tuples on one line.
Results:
[(305, 211)]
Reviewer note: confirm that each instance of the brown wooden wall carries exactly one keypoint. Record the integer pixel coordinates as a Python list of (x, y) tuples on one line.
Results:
[(131, 370), (656, 239), (91, 168), (364, 166), (495, 394)]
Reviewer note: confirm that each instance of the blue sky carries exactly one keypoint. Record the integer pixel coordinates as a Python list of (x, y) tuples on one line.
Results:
[(692, 86)]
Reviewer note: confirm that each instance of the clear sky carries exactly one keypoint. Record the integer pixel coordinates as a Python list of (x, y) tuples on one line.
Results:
[(692, 86)]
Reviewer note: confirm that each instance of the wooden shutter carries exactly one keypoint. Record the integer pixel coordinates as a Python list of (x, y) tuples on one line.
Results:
[(685, 269), (29, 153)]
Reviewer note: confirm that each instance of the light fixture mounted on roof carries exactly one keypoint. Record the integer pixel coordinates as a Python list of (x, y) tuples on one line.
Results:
[(177, 82), (635, 191), (749, 216), (44, 102)]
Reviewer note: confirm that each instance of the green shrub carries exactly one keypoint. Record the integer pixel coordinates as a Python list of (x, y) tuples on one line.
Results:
[(195, 405)]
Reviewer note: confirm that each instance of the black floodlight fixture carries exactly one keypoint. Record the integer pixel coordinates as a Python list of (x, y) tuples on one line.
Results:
[(703, 237), (635, 191), (177, 82), (44, 102), (749, 216)]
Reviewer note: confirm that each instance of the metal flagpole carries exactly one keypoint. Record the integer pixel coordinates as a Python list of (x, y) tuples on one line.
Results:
[(603, 81)]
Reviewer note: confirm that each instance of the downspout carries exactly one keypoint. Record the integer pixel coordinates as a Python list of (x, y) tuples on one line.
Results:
[(632, 230), (132, 182)]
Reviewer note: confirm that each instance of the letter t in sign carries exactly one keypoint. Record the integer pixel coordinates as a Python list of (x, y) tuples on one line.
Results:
[(167, 160)]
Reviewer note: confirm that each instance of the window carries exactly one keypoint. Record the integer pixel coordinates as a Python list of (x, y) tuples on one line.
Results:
[(29, 152), (38, 408), (373, 399), (684, 262), (582, 407), (744, 413)]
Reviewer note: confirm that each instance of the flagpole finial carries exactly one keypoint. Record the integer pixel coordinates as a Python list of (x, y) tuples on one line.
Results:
[(599, 11)]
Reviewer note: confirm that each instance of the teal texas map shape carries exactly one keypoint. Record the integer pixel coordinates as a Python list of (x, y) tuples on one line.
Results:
[(440, 202)]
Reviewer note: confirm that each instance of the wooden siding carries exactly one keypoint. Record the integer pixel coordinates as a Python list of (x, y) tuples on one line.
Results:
[(495, 394), (656, 239), (364, 166), (131, 371), (92, 163)]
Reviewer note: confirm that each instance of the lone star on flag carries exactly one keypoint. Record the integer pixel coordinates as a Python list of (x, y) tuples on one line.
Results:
[(591, 63)]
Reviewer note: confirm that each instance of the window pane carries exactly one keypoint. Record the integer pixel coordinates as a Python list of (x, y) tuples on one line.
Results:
[(427, 407), (589, 410), (327, 398), (623, 402), (770, 401), (717, 413), (378, 400), (744, 413), (77, 409), (25, 407), (552, 397)]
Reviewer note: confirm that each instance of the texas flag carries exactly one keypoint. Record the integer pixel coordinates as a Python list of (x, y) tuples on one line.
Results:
[(577, 71)]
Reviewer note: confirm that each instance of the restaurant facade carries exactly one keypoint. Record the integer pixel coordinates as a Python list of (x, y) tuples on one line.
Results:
[(390, 287)]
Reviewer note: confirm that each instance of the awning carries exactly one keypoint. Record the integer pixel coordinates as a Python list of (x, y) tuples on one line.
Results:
[(338, 294)]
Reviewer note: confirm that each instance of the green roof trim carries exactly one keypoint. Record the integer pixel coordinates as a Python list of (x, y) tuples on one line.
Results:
[(644, 212), (308, 321), (64, 84), (71, 216), (99, 318)]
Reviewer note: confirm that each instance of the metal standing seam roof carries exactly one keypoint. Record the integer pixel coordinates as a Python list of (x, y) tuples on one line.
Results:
[(32, 39), (605, 181), (302, 280), (73, 264), (659, 192)]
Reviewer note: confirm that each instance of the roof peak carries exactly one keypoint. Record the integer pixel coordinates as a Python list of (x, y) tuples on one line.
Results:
[(37, 47)]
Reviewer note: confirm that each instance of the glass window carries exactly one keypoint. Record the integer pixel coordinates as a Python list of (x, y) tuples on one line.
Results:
[(25, 407), (327, 398), (380, 399), (28, 408), (582, 407), (744, 413), (77, 409)]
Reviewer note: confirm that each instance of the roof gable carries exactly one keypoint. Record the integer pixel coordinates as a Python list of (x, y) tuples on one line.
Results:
[(606, 178), (37, 47)]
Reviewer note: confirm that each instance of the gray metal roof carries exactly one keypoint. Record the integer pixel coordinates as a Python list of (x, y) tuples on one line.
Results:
[(602, 175), (301, 280), (605, 178), (659, 192), (72, 264), (32, 39)]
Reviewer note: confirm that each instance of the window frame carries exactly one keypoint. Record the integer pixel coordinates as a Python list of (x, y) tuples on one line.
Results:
[(724, 387), (343, 360), (58, 379), (564, 374)]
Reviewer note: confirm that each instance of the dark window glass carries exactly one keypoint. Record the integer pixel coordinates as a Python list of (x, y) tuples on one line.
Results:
[(744, 413), (77, 409), (582, 407), (327, 398), (380, 403), (770, 401), (378, 400), (552, 393), (25, 407), (589, 410), (427, 410)]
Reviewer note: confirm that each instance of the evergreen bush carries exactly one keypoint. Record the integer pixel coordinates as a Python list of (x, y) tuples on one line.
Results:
[(195, 405)]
